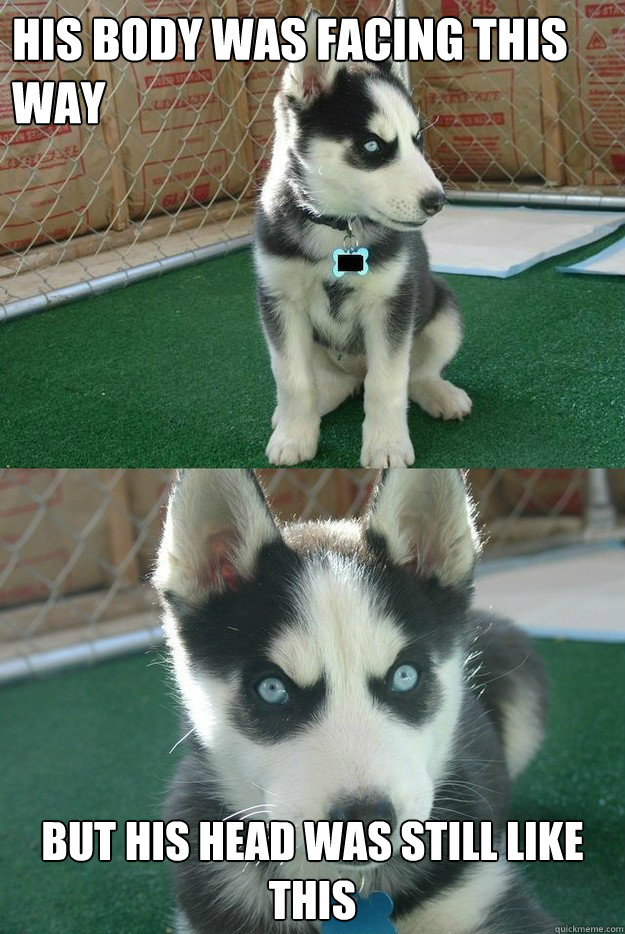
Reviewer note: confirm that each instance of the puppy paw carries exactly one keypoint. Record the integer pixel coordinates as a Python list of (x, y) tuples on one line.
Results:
[(381, 450), (440, 398), (289, 446)]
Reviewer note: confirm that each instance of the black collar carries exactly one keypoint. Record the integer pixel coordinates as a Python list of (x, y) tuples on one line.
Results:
[(325, 220)]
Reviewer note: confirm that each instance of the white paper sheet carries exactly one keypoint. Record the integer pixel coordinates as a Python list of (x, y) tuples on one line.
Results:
[(609, 262), (494, 241)]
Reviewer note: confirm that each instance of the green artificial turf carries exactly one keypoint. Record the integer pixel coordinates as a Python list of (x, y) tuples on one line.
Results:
[(94, 744), (174, 372)]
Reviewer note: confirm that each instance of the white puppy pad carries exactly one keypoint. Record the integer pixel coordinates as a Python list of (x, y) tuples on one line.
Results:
[(501, 242), (609, 262)]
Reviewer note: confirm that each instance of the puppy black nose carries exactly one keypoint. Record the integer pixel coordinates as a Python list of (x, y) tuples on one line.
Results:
[(363, 809), (432, 202)]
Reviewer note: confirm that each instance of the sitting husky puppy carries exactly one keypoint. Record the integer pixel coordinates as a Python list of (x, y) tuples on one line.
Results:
[(336, 671), (348, 163)]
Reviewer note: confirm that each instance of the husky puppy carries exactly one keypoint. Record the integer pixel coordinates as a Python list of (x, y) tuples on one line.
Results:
[(348, 162), (335, 670)]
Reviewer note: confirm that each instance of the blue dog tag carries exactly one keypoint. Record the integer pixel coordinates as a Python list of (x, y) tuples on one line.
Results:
[(350, 260), (373, 916)]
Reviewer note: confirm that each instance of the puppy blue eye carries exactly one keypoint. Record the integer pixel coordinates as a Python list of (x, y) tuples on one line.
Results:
[(371, 145), (272, 691), (405, 678)]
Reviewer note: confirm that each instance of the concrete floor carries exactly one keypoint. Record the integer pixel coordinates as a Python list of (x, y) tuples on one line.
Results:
[(574, 592)]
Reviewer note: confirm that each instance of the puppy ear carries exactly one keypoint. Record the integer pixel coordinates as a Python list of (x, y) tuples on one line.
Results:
[(426, 520), (217, 522), (396, 70), (400, 71), (305, 80)]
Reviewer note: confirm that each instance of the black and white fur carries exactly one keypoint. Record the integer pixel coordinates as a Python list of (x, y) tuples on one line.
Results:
[(396, 328), (331, 609)]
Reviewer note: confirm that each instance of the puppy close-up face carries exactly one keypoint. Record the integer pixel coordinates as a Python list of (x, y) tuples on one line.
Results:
[(321, 663)]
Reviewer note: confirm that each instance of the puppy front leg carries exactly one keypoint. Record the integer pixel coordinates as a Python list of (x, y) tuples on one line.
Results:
[(385, 438), (296, 418)]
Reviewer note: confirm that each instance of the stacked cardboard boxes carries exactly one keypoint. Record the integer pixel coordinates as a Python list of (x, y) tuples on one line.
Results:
[(184, 134)]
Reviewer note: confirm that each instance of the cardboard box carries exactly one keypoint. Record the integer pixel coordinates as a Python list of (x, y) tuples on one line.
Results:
[(147, 498), (555, 492), (262, 80), (313, 493), (487, 116), (55, 181), (181, 123), (591, 85), (47, 515)]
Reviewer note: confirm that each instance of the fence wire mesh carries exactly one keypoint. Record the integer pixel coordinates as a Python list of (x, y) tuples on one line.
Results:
[(77, 546), (181, 148)]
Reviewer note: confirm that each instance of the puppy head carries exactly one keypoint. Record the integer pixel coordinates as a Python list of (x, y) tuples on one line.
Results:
[(356, 140), (321, 663)]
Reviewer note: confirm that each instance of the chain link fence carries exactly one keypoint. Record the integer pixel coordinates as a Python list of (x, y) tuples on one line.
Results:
[(77, 546), (170, 174)]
